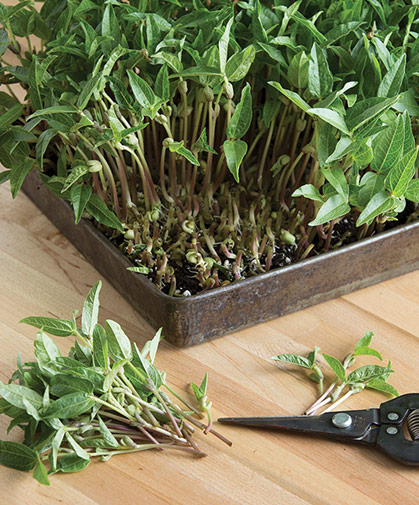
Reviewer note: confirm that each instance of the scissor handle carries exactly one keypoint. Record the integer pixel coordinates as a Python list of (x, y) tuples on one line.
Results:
[(398, 447), (390, 437)]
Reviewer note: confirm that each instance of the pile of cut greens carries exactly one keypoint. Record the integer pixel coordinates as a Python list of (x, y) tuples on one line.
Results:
[(104, 398), (367, 376), (215, 139)]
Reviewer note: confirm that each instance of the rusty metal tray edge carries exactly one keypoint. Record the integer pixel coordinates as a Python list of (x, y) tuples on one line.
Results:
[(191, 320)]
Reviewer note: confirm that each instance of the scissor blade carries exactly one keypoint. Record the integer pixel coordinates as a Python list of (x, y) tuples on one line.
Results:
[(361, 421)]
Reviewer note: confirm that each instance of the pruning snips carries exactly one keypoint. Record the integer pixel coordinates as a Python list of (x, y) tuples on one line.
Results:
[(382, 427)]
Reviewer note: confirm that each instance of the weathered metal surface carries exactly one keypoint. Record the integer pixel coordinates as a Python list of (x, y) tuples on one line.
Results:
[(210, 314)]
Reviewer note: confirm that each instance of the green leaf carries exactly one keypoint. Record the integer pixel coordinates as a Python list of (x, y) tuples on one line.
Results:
[(371, 184), (173, 61), (379, 204), (367, 351), (392, 81), (274, 53), (71, 463), (18, 175), (258, 29), (366, 373), (202, 143), (120, 92), (326, 142), (81, 453), (337, 179), (100, 347), (90, 312), (297, 73), (141, 269), (200, 391), (41, 146), (291, 95), (178, 147), (76, 173), (57, 327), (45, 348), (407, 103), (364, 341), (98, 209), (336, 94), (242, 117), (110, 440), (56, 109), (87, 91), (11, 115), (80, 195), (336, 366), (309, 25), (313, 355), (383, 386), (235, 151), (162, 84), (294, 359), (366, 111), (113, 373), (4, 41), (344, 146), (412, 192), (320, 79), (4, 176), (397, 181), (223, 45), (409, 139), (68, 406), (330, 116), (40, 472), (151, 346), (142, 91), (17, 395), (239, 64), (63, 384), (387, 147), (118, 343), (309, 191), (340, 30), (17, 456), (334, 207)]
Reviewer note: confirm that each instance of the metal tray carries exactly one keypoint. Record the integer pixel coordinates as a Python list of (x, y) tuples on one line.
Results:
[(210, 314)]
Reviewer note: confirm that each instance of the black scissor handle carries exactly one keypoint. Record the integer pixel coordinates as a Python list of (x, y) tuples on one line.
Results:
[(397, 446), (391, 438)]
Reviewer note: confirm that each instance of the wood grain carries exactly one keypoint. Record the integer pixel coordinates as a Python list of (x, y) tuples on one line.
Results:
[(43, 274)]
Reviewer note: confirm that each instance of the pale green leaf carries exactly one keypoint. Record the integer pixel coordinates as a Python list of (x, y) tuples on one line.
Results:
[(235, 151), (334, 207)]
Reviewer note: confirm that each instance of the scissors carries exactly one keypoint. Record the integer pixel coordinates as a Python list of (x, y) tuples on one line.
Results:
[(382, 427)]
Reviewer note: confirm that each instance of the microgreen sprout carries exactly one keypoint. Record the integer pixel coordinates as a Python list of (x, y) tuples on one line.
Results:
[(308, 363), (202, 399), (105, 398)]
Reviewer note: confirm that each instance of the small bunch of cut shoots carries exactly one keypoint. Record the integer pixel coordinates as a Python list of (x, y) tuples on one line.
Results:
[(345, 384), (105, 398)]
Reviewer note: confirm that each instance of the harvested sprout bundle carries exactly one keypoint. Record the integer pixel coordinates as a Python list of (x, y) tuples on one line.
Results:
[(367, 376), (105, 398), (190, 128)]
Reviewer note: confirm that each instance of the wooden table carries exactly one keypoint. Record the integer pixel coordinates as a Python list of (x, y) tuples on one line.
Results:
[(42, 274)]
